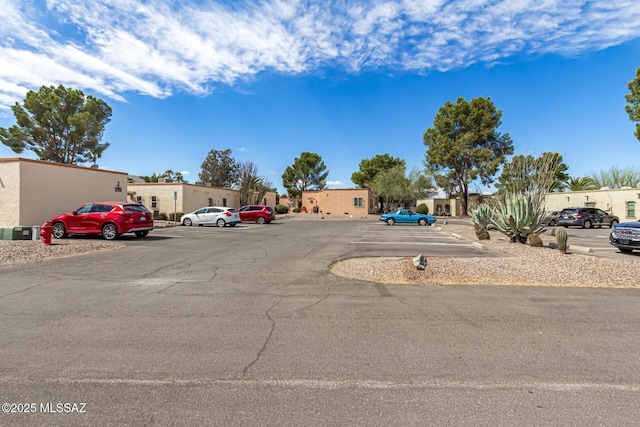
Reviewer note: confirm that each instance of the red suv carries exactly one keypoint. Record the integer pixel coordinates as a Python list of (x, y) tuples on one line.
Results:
[(110, 219), (257, 213)]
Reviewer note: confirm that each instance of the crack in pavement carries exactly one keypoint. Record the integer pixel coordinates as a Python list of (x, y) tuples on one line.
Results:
[(266, 341), (27, 289)]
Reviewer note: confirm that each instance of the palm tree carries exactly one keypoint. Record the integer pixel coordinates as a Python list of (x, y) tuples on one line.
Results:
[(581, 183)]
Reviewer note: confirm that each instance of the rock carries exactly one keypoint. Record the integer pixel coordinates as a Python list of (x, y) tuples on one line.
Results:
[(420, 262)]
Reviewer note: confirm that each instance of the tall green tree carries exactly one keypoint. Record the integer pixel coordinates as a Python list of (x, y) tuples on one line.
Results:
[(396, 186), (525, 173), (219, 169), (59, 125), (633, 99), (369, 168), (464, 144), (308, 172)]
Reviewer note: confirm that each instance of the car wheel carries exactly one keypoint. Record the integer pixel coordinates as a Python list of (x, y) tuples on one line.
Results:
[(141, 233), (612, 223), (109, 232), (390, 221), (422, 221), (625, 250), (58, 231), (221, 223), (586, 224), (260, 220), (187, 222)]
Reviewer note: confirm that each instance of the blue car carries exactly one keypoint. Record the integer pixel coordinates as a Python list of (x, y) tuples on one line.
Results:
[(405, 216)]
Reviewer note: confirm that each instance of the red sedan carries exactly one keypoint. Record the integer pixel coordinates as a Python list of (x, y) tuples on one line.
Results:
[(109, 219)]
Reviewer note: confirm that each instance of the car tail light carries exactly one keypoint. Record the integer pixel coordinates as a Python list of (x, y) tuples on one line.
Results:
[(227, 213), (578, 216)]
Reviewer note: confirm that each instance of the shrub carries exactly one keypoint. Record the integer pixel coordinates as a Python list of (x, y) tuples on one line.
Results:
[(162, 216), (422, 209), (281, 209), (177, 218), (297, 210)]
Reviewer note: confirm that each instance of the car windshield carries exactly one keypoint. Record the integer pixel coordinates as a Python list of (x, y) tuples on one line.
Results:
[(569, 211)]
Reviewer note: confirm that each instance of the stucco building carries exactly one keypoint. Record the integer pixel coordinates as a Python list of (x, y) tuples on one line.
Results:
[(32, 191), (165, 197), (624, 203), (351, 201)]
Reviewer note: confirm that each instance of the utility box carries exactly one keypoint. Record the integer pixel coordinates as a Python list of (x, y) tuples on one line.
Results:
[(6, 233), (22, 233), (35, 232)]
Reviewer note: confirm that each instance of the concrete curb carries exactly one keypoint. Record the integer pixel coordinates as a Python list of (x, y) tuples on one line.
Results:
[(479, 245), (583, 249), (457, 236)]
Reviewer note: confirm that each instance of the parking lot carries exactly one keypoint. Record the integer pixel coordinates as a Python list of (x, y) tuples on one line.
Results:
[(246, 326)]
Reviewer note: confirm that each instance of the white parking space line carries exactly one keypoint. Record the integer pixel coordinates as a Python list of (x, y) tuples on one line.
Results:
[(410, 243)]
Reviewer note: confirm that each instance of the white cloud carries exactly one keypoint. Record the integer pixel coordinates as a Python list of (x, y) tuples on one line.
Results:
[(158, 47), (334, 183)]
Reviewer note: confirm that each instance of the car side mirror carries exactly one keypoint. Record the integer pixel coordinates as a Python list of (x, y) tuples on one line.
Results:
[(75, 212)]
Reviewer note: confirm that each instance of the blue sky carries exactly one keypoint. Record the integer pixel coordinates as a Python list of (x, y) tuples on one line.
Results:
[(344, 79)]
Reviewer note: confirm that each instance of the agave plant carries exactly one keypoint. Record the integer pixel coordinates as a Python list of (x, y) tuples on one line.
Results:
[(518, 215), (482, 215)]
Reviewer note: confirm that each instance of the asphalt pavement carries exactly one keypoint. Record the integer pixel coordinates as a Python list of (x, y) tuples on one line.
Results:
[(247, 326)]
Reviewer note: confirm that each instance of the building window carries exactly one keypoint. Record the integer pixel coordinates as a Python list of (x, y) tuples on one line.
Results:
[(210, 201), (154, 202), (631, 209), (358, 201), (138, 199), (224, 203), (590, 204)]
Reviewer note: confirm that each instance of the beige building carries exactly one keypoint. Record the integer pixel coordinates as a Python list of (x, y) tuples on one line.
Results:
[(32, 191), (165, 197), (624, 203), (353, 201)]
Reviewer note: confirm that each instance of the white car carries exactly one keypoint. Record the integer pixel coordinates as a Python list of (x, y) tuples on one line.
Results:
[(212, 215)]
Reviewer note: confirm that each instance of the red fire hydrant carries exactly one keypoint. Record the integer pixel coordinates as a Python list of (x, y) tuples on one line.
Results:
[(45, 233)]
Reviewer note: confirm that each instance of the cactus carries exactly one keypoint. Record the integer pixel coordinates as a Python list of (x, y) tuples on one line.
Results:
[(481, 232), (535, 240), (561, 239), (519, 215)]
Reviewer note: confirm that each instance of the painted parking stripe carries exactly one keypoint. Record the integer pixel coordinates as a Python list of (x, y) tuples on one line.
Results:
[(410, 243)]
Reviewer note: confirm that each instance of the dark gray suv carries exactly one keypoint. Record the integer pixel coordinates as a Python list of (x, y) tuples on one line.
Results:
[(586, 218)]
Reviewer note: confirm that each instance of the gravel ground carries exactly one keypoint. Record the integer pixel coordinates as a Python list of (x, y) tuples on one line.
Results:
[(526, 266), (14, 252)]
